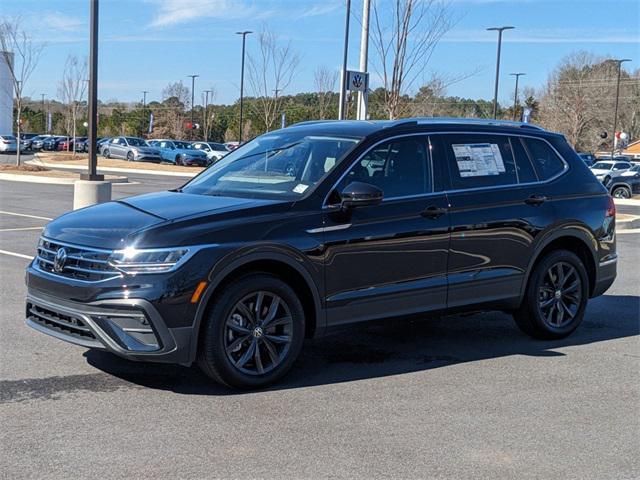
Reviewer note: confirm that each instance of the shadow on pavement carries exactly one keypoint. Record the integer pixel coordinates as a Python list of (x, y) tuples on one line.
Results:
[(372, 351)]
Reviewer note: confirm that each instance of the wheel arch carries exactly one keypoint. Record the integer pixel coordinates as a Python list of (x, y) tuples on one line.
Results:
[(293, 273), (620, 184)]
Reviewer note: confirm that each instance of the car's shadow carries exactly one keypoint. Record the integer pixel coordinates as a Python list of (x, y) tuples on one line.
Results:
[(392, 348)]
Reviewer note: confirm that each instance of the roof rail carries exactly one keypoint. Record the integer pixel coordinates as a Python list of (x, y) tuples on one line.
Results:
[(478, 121)]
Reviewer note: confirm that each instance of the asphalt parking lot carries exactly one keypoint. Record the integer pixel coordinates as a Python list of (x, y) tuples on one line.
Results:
[(458, 397)]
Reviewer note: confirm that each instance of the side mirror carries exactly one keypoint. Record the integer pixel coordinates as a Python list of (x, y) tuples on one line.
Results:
[(359, 194)]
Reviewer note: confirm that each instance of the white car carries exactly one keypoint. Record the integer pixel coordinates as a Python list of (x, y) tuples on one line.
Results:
[(608, 168), (214, 151), (8, 143)]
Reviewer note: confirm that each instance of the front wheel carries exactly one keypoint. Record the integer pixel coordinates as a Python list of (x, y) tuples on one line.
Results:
[(130, 156), (621, 192), (556, 297), (253, 333), (107, 153)]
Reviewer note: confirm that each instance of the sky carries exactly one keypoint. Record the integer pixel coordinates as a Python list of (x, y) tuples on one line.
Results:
[(146, 44)]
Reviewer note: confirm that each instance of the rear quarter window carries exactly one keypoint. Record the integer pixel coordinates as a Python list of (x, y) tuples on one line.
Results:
[(545, 160)]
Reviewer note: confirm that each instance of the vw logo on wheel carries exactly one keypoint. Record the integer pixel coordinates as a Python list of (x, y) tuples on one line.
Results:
[(59, 260)]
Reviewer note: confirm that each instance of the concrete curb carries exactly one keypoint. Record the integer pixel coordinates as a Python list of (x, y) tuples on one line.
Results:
[(629, 222), (627, 201), (11, 177), (65, 166)]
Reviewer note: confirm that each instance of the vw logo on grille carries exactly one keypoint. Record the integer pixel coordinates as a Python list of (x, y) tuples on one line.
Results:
[(59, 260)]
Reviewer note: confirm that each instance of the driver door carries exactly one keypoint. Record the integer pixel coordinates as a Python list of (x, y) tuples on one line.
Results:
[(388, 259)]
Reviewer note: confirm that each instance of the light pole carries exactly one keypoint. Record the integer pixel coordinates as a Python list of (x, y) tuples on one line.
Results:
[(193, 86), (495, 92), (363, 97), (144, 109), (343, 76), (93, 96), (515, 95), (615, 114), (244, 34), (205, 119)]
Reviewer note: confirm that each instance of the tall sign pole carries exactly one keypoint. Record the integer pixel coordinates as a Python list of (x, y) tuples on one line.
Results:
[(495, 92), (615, 114), (244, 40), (515, 94), (93, 96), (343, 76), (363, 97)]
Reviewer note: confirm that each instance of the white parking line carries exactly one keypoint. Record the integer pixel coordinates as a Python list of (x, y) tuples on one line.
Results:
[(24, 215), (19, 229), (14, 254), (631, 230)]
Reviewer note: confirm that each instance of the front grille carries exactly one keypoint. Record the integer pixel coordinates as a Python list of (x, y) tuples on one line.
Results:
[(80, 263), (60, 322)]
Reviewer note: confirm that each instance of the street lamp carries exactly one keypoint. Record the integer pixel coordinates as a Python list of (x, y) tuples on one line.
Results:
[(244, 34), (515, 95), (193, 85), (343, 77), (144, 109), (495, 93), (92, 174), (205, 120), (615, 114)]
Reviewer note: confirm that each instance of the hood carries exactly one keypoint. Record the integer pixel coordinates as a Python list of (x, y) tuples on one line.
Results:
[(147, 149), (109, 225), (191, 153)]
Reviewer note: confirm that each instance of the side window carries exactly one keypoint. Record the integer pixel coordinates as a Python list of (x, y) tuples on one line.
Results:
[(526, 173), (545, 160), (115, 141), (479, 160), (398, 167), (621, 166)]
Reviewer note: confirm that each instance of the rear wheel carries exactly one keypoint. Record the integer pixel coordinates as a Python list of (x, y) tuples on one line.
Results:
[(556, 297), (178, 160), (253, 333), (130, 156), (621, 192)]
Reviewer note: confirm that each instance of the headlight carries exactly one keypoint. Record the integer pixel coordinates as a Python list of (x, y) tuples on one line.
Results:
[(160, 260)]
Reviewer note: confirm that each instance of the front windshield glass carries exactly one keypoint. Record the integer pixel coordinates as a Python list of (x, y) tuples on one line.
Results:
[(136, 142), (184, 145), (602, 165), (279, 165)]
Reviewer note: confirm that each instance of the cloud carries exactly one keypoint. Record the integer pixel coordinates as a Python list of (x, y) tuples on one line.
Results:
[(545, 36), (173, 12), (60, 21)]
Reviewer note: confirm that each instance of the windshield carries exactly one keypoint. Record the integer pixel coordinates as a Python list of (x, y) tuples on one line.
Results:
[(602, 165), (136, 142), (280, 165), (183, 145)]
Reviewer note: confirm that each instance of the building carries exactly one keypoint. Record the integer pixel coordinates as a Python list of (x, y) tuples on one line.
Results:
[(6, 96), (633, 150)]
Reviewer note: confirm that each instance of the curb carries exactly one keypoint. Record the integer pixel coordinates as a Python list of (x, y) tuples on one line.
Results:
[(65, 166), (627, 201), (629, 224), (10, 177)]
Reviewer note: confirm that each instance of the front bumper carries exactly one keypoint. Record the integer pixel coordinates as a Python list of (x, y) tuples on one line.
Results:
[(131, 328)]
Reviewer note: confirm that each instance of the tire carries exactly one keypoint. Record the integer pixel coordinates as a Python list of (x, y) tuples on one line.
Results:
[(130, 156), (106, 153), (548, 322), (621, 192), (178, 161), (230, 333)]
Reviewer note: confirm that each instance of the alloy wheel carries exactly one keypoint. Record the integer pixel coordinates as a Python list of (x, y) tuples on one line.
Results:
[(258, 333), (621, 192), (560, 294)]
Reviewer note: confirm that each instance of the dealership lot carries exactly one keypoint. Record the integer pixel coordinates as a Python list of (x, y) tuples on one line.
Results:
[(459, 397)]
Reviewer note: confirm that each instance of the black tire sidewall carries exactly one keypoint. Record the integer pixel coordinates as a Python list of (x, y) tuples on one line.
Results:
[(212, 351), (621, 188), (532, 293)]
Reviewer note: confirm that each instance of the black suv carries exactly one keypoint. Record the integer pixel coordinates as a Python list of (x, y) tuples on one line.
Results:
[(325, 224)]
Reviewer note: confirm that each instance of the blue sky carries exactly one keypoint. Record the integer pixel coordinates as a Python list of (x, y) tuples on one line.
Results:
[(146, 44)]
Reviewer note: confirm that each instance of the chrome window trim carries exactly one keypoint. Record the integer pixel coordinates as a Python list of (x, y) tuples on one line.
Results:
[(429, 134)]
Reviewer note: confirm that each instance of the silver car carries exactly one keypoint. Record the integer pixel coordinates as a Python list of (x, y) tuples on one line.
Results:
[(8, 143), (133, 149)]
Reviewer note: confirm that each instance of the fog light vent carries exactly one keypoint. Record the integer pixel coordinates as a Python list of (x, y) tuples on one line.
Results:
[(131, 331)]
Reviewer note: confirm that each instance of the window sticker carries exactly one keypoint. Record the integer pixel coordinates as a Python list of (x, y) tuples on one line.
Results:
[(300, 188), (478, 159)]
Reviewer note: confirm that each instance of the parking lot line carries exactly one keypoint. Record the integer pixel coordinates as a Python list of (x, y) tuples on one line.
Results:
[(24, 215), (631, 230), (19, 229), (14, 254)]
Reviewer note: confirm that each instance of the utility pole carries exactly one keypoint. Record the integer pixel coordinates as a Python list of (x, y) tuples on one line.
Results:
[(495, 92), (275, 93), (615, 114), (205, 118), (144, 108), (193, 86), (515, 95), (244, 39), (363, 97), (44, 113), (343, 76)]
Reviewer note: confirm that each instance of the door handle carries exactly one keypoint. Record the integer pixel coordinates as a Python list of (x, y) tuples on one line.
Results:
[(433, 212), (536, 200)]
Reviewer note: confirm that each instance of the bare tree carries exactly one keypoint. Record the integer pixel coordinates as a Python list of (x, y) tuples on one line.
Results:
[(21, 55), (325, 82), (71, 90), (405, 34), (176, 97), (271, 71)]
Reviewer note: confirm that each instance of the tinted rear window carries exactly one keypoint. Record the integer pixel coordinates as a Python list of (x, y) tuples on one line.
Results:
[(545, 159)]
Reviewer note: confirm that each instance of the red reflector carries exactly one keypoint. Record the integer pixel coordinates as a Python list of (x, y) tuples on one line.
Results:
[(611, 207)]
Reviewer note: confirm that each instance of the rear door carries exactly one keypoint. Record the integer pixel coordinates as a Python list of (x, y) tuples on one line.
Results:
[(497, 207)]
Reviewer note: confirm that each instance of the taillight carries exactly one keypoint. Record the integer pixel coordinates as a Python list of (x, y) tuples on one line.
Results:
[(611, 207)]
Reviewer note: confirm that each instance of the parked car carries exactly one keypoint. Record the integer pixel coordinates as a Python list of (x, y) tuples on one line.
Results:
[(25, 140), (8, 143), (52, 143), (36, 142), (232, 145), (605, 169), (180, 153), (69, 144), (214, 151), (133, 149), (100, 144), (82, 144), (587, 158), (625, 184), (324, 224)]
